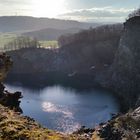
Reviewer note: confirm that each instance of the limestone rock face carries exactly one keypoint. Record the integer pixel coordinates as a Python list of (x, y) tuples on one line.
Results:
[(125, 71)]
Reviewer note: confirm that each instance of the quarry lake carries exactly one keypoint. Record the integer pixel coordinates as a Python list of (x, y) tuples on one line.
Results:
[(65, 109)]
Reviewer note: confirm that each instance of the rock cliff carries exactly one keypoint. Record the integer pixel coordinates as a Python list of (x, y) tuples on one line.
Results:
[(123, 127), (125, 70), (6, 98)]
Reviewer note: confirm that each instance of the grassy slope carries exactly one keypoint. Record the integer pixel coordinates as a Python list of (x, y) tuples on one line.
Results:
[(14, 127)]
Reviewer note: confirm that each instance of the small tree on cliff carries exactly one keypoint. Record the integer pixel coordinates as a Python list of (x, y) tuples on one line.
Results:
[(134, 13)]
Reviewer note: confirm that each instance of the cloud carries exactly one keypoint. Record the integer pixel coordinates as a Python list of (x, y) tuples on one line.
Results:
[(15, 7), (82, 4), (14, 2), (97, 13)]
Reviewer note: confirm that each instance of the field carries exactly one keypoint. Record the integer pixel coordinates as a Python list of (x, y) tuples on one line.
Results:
[(49, 44), (6, 38)]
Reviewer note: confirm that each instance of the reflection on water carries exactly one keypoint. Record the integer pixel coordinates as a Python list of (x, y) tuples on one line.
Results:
[(49, 107), (65, 109)]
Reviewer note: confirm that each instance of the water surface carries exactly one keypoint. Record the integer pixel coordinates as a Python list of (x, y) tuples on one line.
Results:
[(66, 109)]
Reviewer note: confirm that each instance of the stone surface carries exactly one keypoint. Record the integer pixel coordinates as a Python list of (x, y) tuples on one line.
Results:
[(6, 98), (125, 71)]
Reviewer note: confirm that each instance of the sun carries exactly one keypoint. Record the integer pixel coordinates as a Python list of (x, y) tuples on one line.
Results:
[(48, 8)]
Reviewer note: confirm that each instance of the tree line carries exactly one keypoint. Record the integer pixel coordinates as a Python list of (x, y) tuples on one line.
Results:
[(21, 42), (92, 35)]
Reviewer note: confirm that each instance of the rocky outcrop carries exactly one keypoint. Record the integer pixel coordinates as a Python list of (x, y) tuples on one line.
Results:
[(5, 65), (123, 127), (6, 98), (125, 71)]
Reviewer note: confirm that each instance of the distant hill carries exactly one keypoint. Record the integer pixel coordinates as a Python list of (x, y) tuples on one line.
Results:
[(51, 33), (25, 23)]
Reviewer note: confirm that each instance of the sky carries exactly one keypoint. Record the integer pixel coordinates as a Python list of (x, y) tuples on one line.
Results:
[(81, 10)]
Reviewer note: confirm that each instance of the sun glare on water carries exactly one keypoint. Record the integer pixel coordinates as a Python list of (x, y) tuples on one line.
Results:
[(48, 8)]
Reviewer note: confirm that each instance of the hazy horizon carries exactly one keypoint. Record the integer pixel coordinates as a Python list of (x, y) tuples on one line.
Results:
[(80, 10)]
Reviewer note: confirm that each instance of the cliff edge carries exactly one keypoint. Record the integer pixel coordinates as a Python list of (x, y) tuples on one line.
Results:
[(125, 70)]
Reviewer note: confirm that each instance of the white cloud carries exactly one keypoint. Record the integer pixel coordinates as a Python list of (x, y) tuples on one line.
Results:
[(50, 8), (100, 14), (15, 7), (15, 2)]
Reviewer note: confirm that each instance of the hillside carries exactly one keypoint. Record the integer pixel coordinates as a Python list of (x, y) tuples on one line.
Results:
[(24, 23), (51, 33)]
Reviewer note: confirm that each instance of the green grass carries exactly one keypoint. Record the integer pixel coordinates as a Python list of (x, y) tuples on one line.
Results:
[(5, 38), (49, 44)]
